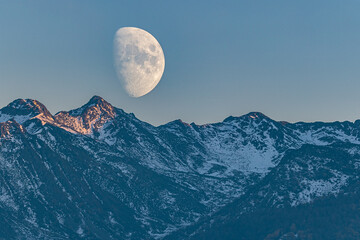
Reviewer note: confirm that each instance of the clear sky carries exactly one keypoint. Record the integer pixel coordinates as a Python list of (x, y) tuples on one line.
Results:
[(292, 60)]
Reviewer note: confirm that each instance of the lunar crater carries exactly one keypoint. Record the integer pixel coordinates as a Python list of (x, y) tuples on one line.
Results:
[(139, 60)]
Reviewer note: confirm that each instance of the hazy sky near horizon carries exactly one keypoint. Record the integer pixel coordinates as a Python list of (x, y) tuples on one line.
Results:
[(291, 60)]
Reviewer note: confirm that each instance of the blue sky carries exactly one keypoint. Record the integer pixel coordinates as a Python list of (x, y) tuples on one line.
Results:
[(292, 60)]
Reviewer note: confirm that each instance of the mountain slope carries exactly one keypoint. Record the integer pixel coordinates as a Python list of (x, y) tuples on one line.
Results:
[(304, 180), (97, 172)]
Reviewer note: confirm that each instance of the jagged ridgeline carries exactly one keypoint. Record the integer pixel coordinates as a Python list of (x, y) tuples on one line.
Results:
[(97, 172)]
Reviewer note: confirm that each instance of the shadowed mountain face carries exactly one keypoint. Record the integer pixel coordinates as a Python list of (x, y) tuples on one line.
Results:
[(97, 172)]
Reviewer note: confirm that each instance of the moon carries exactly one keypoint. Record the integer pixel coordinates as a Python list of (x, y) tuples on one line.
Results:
[(139, 60)]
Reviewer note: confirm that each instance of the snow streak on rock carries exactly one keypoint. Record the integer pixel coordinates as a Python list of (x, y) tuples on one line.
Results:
[(98, 172)]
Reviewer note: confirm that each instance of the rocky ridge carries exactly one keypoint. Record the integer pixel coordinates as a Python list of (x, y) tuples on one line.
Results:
[(99, 172)]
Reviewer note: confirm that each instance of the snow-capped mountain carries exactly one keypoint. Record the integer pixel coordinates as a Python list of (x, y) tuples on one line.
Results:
[(97, 172)]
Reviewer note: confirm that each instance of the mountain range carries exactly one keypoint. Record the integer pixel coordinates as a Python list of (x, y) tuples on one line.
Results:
[(97, 172)]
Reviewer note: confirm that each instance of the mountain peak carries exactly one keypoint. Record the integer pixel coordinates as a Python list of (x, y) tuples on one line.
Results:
[(177, 122), (22, 110), (26, 105), (96, 100), (249, 116), (91, 116), (255, 115)]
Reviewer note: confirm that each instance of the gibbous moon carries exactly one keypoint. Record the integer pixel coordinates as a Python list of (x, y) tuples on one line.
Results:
[(139, 60)]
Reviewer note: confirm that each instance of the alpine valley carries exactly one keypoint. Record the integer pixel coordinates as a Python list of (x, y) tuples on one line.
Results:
[(97, 172)]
